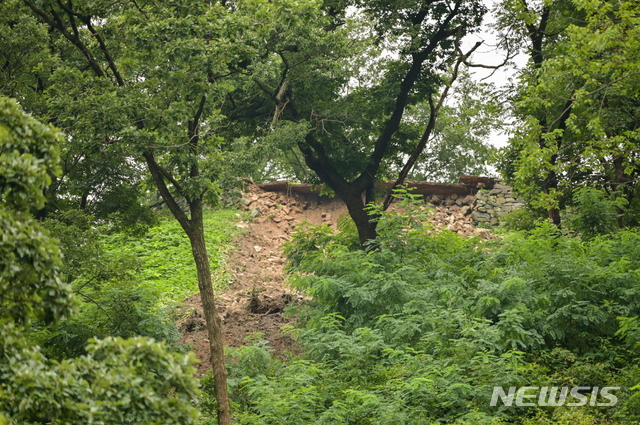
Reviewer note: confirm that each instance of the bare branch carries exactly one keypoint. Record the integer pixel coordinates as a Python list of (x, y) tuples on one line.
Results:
[(263, 86), (105, 51), (158, 176)]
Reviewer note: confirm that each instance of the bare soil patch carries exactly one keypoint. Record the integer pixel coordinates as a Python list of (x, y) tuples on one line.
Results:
[(259, 295)]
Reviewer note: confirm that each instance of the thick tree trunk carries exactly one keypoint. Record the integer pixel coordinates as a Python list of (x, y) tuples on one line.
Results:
[(367, 232), (212, 319), (84, 199), (554, 216), (621, 187), (351, 193)]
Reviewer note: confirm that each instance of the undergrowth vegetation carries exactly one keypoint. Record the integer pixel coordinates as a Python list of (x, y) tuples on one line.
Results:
[(165, 258), (421, 329), (127, 284)]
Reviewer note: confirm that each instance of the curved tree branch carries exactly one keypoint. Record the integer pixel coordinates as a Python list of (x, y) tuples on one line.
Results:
[(434, 110)]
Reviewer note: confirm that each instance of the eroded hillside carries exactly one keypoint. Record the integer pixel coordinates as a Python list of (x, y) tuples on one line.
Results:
[(259, 294)]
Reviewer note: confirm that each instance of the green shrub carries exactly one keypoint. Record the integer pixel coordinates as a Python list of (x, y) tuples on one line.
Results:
[(523, 219), (421, 329), (112, 299), (596, 213)]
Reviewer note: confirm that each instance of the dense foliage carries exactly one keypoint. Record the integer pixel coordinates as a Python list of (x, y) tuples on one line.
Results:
[(576, 106), (165, 263), (167, 106), (422, 330), (128, 285), (117, 381)]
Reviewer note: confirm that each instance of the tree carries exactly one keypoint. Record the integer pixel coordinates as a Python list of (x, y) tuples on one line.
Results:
[(92, 178), (143, 80), (537, 26), (337, 88), (580, 113), (119, 381)]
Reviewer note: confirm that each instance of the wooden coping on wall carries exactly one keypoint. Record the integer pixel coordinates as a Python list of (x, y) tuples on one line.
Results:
[(468, 185)]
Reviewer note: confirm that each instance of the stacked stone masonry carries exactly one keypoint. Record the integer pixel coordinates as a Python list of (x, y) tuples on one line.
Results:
[(491, 205), (476, 201)]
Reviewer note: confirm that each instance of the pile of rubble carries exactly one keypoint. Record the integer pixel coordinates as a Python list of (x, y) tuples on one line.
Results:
[(291, 208)]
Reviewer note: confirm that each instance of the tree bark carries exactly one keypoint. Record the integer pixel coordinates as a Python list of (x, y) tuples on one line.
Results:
[(212, 319), (621, 187), (365, 222), (551, 182), (194, 229)]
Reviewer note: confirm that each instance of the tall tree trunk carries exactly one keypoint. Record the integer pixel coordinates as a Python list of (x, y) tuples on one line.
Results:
[(621, 186), (84, 199), (212, 319), (194, 229), (551, 184), (367, 229), (537, 36)]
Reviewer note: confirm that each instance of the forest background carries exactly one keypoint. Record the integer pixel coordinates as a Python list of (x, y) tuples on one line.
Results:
[(120, 120)]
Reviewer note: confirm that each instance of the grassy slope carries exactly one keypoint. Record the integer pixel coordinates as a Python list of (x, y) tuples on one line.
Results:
[(165, 254)]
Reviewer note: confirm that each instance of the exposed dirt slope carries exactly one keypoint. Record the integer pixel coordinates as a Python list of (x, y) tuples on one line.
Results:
[(254, 303)]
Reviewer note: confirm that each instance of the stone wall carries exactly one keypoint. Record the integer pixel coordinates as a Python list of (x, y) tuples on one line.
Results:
[(490, 205), (482, 200)]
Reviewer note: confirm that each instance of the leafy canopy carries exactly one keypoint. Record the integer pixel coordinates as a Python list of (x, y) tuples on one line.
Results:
[(118, 381)]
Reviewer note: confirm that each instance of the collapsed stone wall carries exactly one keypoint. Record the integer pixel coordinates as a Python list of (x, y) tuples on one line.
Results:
[(284, 209), (453, 212), (476, 201)]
